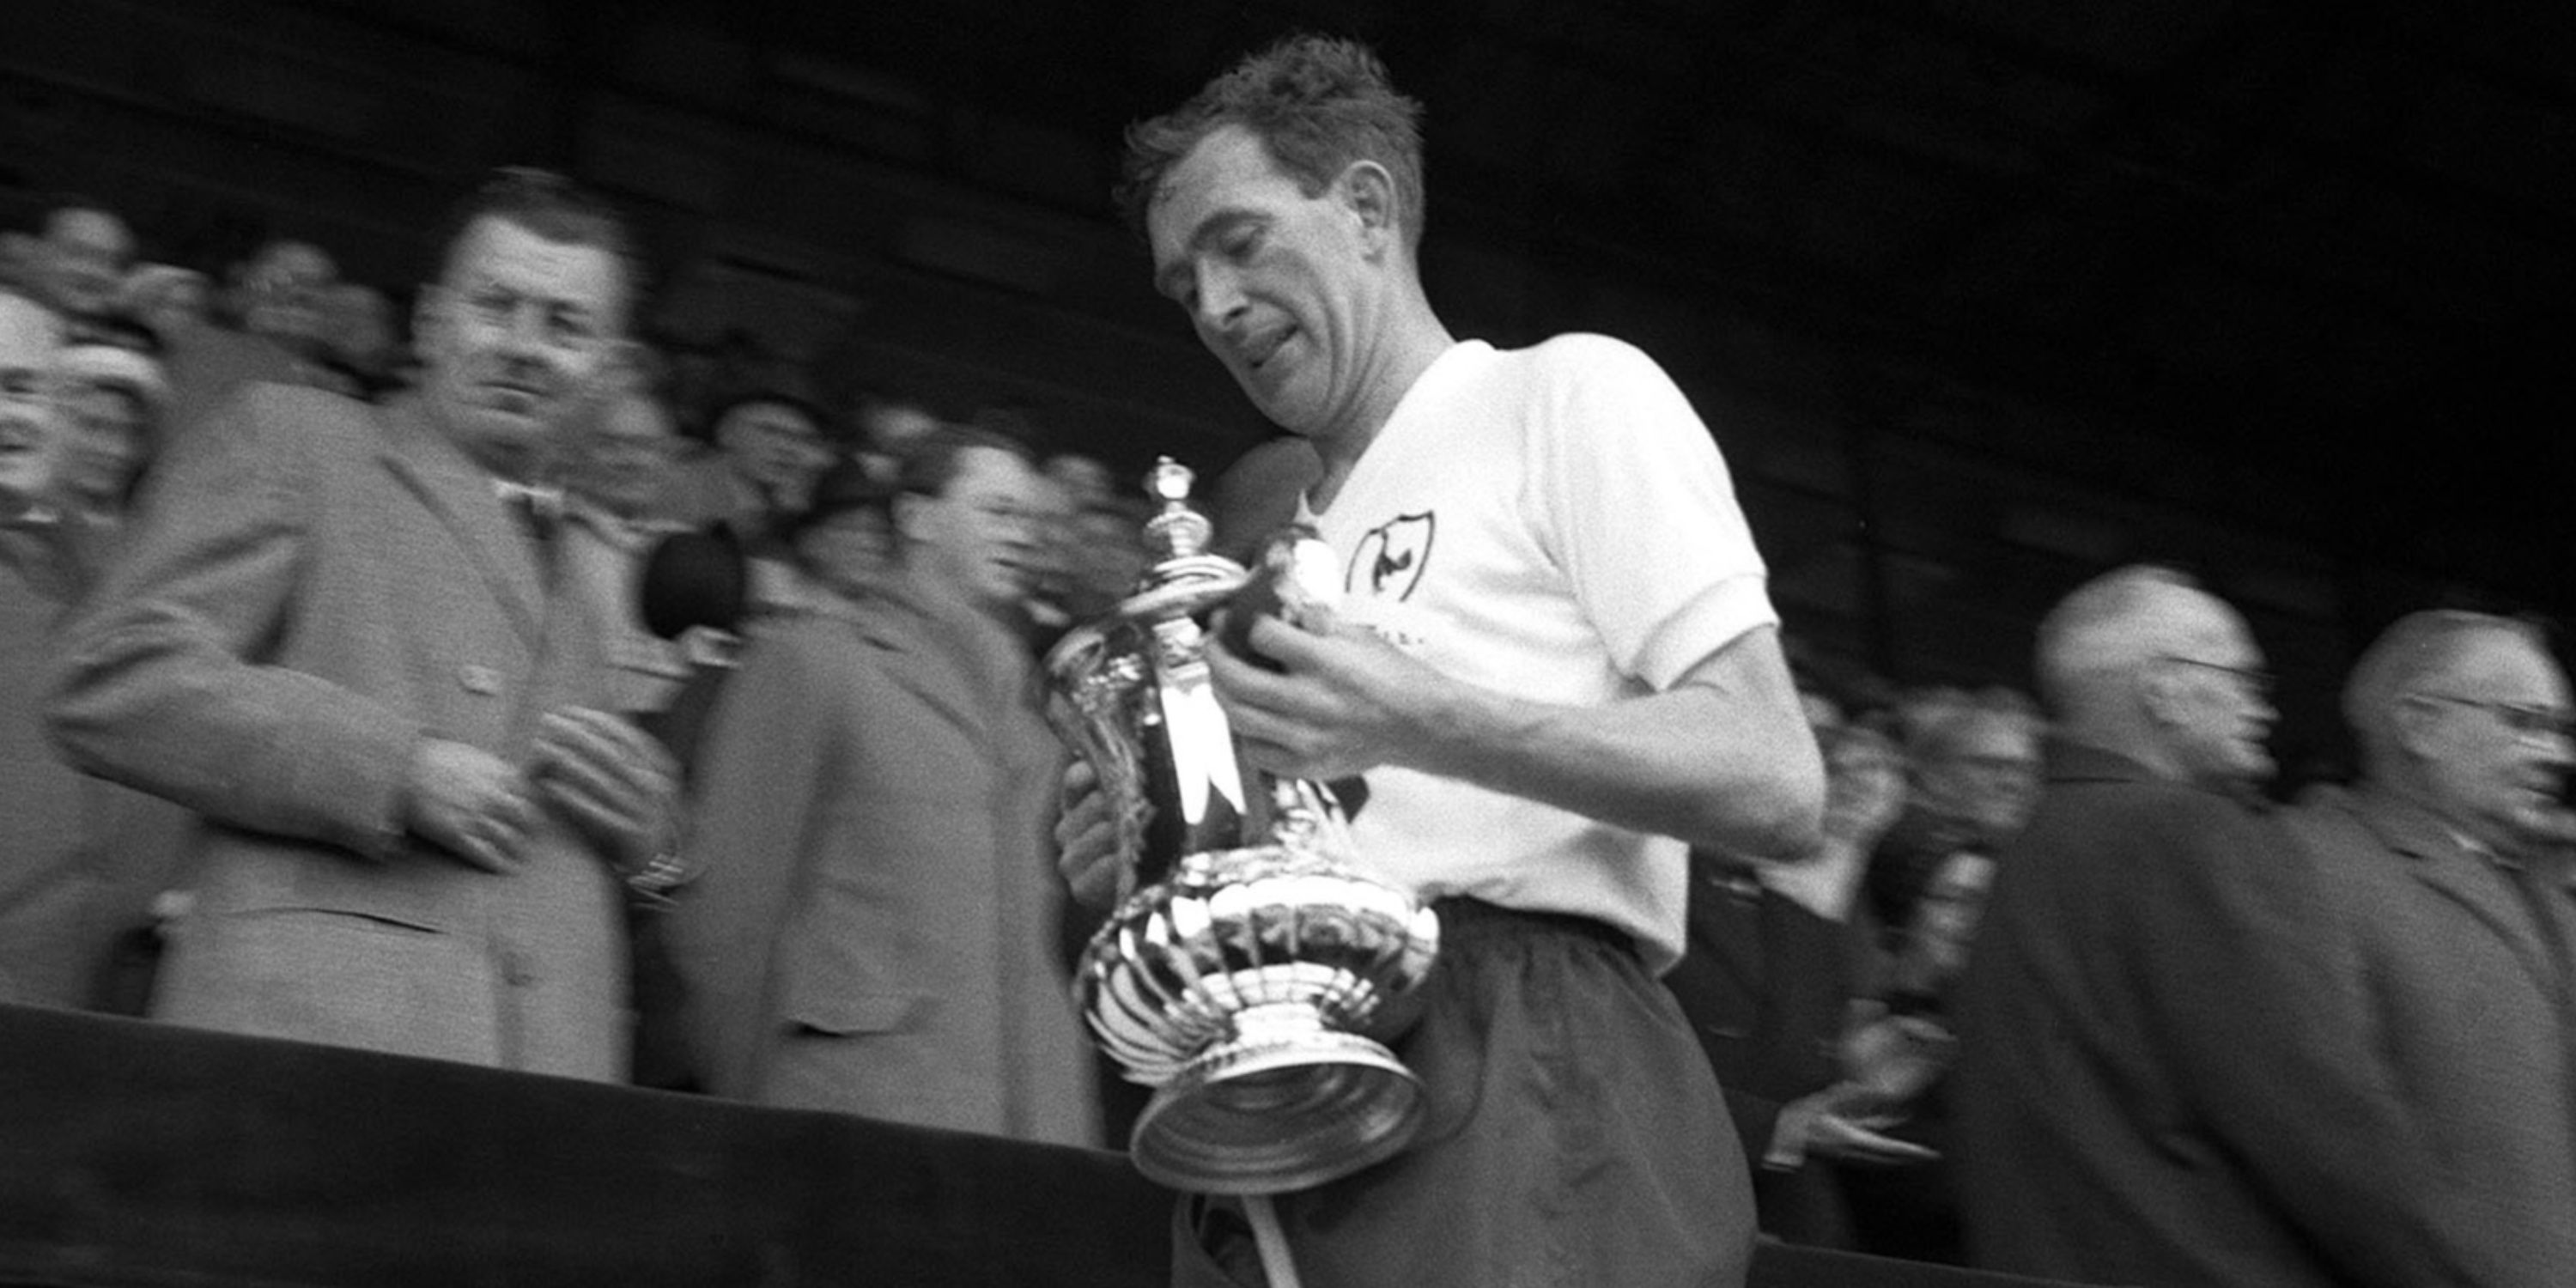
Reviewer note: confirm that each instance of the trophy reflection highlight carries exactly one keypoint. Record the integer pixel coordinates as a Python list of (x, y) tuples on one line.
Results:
[(1249, 970)]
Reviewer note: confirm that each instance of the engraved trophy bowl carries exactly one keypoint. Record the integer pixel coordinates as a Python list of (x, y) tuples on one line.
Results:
[(1250, 971)]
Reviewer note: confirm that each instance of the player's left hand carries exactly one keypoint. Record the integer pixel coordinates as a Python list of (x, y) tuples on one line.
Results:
[(613, 779), (1341, 701)]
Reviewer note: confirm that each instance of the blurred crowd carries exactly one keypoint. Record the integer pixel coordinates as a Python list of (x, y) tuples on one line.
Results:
[(830, 613)]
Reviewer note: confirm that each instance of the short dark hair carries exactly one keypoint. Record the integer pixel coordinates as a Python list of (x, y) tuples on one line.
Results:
[(1316, 103), (553, 206), (933, 463)]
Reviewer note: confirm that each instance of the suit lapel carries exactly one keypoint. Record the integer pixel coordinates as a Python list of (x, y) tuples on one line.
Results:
[(2462, 875), (461, 495), (914, 660), (919, 654)]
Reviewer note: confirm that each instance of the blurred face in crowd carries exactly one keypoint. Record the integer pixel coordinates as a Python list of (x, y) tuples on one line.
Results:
[(285, 293), (106, 429), (2214, 698), (1945, 921), (173, 302), (515, 336), (848, 550), (1986, 772), (777, 447), (2490, 725), (29, 421), (82, 259), (895, 428), (358, 324), (625, 455), (1276, 282), (979, 536), (1864, 783), (1110, 560)]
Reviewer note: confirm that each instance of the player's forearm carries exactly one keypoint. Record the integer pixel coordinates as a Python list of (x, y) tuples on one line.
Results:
[(1685, 763)]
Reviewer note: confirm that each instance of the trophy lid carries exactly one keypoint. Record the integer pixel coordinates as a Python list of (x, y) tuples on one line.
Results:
[(1184, 578)]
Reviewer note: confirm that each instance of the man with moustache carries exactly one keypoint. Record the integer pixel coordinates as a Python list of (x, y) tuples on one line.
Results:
[(340, 637), (2164, 1074), (874, 931), (2449, 878), (1556, 664)]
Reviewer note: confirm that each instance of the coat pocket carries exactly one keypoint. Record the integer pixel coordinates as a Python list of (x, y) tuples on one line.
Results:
[(842, 1013)]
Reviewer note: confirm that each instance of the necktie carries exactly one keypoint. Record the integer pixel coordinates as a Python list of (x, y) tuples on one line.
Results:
[(538, 509)]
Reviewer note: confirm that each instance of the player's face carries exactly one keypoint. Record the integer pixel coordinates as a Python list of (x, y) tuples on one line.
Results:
[(1273, 279), (515, 337)]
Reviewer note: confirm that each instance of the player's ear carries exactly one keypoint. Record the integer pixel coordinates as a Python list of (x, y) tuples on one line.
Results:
[(1368, 192)]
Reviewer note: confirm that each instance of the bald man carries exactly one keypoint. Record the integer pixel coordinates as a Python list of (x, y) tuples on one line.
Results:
[(2159, 1077), (2451, 896)]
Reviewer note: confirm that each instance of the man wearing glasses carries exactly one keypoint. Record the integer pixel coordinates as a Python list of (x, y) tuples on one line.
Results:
[(2168, 1071), (2450, 876)]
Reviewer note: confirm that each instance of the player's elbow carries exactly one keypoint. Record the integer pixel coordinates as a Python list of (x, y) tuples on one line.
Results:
[(1775, 813)]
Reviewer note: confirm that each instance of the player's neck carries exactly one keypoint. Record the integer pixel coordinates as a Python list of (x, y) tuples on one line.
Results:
[(1416, 339)]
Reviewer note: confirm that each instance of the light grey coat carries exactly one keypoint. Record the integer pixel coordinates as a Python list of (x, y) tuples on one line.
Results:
[(316, 586)]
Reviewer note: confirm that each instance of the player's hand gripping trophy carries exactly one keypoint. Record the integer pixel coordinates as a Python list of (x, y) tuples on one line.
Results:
[(1250, 968)]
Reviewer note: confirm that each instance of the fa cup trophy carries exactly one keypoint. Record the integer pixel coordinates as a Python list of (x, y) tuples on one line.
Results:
[(1249, 966)]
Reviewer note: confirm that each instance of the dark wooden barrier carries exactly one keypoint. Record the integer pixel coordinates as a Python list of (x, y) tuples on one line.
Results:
[(140, 1154)]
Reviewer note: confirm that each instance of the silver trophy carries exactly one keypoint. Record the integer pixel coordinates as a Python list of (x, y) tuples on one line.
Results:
[(1249, 969)]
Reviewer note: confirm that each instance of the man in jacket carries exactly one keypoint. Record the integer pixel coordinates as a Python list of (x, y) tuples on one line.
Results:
[(339, 638)]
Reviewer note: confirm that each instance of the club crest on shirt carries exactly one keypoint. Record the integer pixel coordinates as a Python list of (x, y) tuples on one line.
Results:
[(1390, 560)]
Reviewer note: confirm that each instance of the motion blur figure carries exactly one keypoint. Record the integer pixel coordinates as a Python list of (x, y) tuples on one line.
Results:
[(48, 931), (77, 265), (2169, 1070), (339, 635), (875, 929), (2451, 910)]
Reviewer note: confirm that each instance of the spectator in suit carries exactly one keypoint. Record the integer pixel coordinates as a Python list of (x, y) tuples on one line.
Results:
[(46, 933), (275, 303), (340, 637), (770, 445), (1976, 778), (1767, 981), (2158, 1078), (2451, 905), (89, 860), (875, 928), (619, 459)]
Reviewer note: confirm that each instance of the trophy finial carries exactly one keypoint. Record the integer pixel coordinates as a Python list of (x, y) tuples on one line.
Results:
[(1179, 532)]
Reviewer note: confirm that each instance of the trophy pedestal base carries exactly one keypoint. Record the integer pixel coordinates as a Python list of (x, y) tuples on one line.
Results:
[(1286, 1104)]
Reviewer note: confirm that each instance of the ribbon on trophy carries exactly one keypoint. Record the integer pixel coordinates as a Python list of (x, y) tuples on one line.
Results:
[(1201, 743)]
